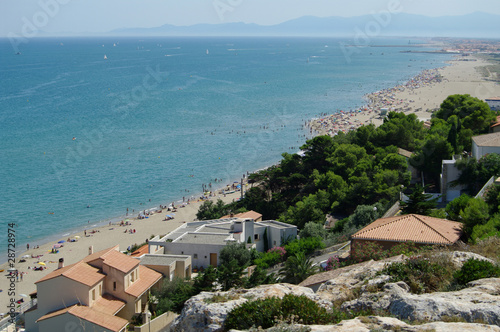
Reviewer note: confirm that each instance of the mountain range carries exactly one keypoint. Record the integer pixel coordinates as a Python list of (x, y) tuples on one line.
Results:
[(478, 25)]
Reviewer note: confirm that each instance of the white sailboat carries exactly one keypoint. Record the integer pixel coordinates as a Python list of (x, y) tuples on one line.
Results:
[(207, 51), (105, 57)]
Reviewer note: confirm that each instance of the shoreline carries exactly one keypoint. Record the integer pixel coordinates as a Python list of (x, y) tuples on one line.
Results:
[(459, 77), (421, 95)]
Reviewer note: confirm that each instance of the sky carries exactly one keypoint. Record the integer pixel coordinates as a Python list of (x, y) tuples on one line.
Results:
[(99, 16)]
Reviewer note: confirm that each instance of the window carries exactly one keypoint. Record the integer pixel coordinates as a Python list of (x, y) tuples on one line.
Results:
[(195, 256), (100, 289), (93, 294), (114, 285), (274, 242), (132, 276), (256, 237)]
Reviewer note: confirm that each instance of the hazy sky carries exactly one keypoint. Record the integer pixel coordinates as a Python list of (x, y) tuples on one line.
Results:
[(93, 16)]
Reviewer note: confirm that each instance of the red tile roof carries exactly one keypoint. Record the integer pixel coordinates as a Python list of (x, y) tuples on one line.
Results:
[(141, 251), (412, 227), (108, 304), (109, 322), (79, 272), (147, 278), (119, 261), (245, 215)]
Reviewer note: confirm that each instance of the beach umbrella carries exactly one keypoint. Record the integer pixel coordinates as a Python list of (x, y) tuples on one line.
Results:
[(26, 256), (62, 241), (23, 295), (11, 269), (41, 263)]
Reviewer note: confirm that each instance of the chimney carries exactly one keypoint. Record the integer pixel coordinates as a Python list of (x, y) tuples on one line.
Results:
[(91, 250), (61, 263)]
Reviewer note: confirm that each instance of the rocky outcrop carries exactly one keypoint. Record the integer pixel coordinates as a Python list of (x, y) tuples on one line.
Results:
[(207, 311), (480, 302), (375, 323)]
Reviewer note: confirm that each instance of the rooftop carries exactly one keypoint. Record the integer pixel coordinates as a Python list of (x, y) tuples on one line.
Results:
[(109, 322), (147, 278), (79, 272), (412, 227), (487, 140), (246, 215), (204, 238), (162, 260)]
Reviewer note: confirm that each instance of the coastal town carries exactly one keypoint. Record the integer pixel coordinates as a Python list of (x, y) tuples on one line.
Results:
[(104, 275)]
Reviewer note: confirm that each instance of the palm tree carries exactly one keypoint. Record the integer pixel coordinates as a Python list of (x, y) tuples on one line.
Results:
[(297, 268)]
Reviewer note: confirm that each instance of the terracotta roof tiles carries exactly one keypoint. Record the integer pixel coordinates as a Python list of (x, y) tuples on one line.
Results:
[(109, 322), (147, 278), (412, 227)]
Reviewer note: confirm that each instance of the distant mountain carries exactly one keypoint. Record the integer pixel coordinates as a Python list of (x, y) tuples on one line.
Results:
[(471, 25)]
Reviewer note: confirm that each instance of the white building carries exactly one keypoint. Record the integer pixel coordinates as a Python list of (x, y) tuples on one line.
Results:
[(484, 144), (493, 103), (203, 240)]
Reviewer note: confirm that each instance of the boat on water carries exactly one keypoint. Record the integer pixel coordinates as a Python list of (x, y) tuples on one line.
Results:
[(105, 57), (207, 51)]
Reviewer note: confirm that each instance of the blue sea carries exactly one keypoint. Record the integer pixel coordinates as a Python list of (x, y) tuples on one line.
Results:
[(92, 126)]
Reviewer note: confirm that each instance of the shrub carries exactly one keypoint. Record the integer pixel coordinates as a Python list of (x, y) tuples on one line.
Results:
[(474, 269), (268, 259), (366, 251), (332, 263), (265, 312), (306, 245), (421, 274)]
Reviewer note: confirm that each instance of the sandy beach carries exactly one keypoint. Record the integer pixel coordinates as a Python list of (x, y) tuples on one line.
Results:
[(422, 95), (99, 238)]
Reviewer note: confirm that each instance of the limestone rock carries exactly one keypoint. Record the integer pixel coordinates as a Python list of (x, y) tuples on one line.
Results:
[(207, 313), (480, 302)]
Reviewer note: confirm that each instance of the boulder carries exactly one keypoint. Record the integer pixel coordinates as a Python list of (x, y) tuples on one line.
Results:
[(207, 311), (480, 302)]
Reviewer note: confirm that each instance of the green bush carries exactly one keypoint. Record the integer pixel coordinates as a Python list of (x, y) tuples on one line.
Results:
[(307, 245), (421, 274), (268, 259), (474, 269), (265, 312)]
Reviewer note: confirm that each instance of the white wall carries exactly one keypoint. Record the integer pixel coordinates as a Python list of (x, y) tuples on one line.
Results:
[(203, 251)]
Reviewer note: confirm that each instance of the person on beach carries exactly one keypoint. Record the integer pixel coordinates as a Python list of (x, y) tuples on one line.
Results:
[(28, 246)]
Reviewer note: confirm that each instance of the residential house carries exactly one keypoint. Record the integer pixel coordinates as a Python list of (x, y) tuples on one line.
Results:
[(421, 230), (245, 215), (493, 103), (484, 144), (450, 173), (99, 293), (203, 240)]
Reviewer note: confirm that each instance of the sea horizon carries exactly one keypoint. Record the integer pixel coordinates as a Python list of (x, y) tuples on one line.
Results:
[(92, 126)]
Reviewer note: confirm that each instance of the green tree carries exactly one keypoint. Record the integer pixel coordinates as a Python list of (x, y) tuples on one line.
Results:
[(428, 159), (259, 277), (297, 268), (401, 130), (475, 213), (210, 210), (419, 202), (473, 113), (313, 229), (235, 251), (230, 275), (491, 228), (173, 294), (204, 281), (364, 215), (312, 208), (454, 207)]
